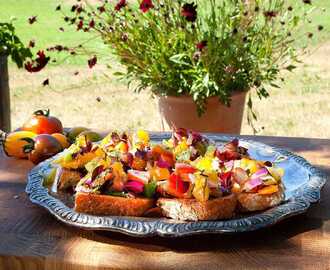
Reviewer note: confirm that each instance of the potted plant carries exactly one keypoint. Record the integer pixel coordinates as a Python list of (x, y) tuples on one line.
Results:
[(199, 58), (11, 45)]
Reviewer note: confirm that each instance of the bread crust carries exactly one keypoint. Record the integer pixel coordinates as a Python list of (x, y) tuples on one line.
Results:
[(95, 204), (249, 202), (193, 210), (68, 178)]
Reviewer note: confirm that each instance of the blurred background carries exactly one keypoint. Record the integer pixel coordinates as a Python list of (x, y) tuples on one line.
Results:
[(80, 96)]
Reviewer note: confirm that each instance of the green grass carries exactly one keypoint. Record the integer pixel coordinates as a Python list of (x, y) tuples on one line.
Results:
[(46, 30)]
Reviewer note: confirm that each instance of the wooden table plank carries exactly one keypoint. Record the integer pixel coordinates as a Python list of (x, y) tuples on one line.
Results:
[(33, 239)]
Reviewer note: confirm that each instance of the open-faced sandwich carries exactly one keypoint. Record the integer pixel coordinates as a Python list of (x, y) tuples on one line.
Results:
[(186, 177)]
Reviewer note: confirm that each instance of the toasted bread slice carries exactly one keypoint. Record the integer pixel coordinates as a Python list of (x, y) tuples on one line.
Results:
[(193, 210), (68, 178), (248, 202), (111, 205)]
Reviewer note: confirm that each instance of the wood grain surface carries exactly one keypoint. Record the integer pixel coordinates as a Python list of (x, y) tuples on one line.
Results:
[(30, 238)]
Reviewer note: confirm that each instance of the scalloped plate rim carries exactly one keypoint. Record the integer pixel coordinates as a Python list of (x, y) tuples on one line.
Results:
[(144, 227)]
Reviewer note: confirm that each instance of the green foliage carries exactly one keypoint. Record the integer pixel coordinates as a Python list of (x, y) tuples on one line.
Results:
[(11, 45)]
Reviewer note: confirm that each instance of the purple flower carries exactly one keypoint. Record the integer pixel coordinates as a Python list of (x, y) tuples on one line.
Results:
[(146, 5), (189, 11)]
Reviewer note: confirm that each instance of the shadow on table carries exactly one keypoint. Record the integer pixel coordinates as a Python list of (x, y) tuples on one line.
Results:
[(275, 237)]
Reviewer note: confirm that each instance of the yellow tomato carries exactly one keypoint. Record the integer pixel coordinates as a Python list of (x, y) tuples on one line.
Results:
[(13, 143), (62, 139)]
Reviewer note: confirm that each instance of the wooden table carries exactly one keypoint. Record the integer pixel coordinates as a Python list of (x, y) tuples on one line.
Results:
[(30, 238)]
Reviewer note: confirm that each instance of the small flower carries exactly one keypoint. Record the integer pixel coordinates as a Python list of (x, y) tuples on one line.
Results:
[(120, 5), (201, 45), (146, 5), (197, 56), (270, 14), (31, 43), (80, 25), (189, 11), (32, 19), (45, 82), (92, 62), (91, 24), (38, 64), (74, 8), (101, 9), (59, 48), (79, 9)]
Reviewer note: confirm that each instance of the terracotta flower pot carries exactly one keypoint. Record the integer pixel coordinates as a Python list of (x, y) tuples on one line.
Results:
[(181, 112)]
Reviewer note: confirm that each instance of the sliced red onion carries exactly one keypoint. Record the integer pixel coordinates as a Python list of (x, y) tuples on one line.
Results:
[(229, 165), (253, 183), (240, 176), (134, 186), (89, 181), (259, 173), (161, 163)]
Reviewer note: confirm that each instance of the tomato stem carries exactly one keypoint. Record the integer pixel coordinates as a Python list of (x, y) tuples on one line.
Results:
[(42, 112), (30, 146)]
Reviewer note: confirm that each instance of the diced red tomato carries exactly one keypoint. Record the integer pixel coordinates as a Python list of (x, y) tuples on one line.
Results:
[(139, 176), (183, 168), (176, 186)]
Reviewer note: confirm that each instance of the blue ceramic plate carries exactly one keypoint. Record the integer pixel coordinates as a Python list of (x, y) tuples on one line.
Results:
[(302, 182)]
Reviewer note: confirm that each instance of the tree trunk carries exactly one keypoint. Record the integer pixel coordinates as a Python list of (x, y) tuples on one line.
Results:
[(4, 95)]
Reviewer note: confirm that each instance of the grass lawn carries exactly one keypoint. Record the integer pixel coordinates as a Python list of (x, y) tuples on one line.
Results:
[(300, 108)]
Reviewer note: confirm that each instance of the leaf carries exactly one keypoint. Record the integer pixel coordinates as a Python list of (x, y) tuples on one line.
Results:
[(179, 59), (274, 85), (150, 189), (118, 73), (290, 68)]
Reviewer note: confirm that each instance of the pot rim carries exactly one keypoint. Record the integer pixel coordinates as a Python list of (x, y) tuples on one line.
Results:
[(188, 98)]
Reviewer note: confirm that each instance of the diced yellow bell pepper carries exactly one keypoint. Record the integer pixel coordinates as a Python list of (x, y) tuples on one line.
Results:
[(277, 173), (201, 191), (181, 147), (249, 164), (268, 190)]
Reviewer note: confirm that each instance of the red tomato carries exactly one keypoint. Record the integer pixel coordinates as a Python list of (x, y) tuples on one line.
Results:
[(42, 147), (176, 186), (42, 123), (183, 168)]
